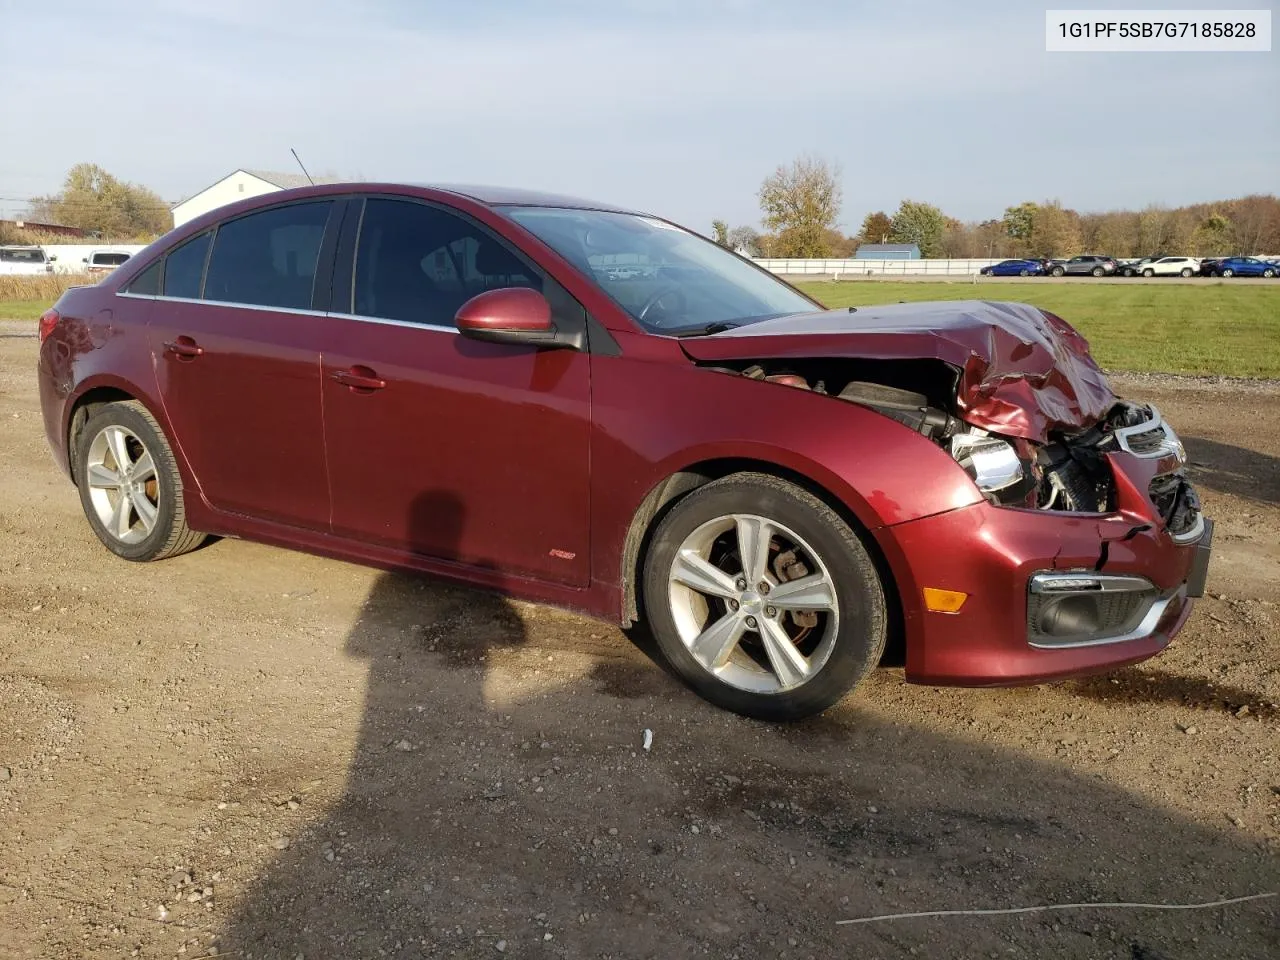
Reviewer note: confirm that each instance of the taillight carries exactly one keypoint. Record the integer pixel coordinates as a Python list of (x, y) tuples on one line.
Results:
[(48, 320)]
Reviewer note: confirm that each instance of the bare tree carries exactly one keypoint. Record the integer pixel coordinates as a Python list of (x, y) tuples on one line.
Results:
[(801, 202)]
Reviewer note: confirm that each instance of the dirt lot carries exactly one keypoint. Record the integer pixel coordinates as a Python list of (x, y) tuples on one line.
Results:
[(265, 754)]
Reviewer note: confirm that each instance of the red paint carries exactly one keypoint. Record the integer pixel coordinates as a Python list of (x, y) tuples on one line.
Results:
[(521, 469), (516, 309)]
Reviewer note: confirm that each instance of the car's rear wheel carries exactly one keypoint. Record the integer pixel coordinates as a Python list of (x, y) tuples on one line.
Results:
[(1024, 273), (1148, 273), (1098, 271), (1186, 271), (1228, 272), (763, 599), (130, 487)]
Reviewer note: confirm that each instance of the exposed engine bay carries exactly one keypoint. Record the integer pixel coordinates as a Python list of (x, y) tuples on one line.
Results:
[(1069, 472)]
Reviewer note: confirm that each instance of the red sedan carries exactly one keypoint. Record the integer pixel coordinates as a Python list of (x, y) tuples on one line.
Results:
[(598, 409)]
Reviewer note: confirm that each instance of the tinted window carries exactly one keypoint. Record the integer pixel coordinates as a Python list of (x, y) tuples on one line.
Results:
[(419, 264), (268, 258), (109, 259), (183, 267), (22, 256), (147, 283)]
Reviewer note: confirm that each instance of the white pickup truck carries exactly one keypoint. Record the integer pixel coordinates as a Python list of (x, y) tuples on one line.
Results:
[(25, 262)]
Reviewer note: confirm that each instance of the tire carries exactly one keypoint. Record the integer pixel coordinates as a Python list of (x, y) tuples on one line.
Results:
[(1186, 271), (1058, 271), (1228, 272), (1148, 273), (128, 430), (1024, 273), (1268, 274), (1098, 271), (747, 674)]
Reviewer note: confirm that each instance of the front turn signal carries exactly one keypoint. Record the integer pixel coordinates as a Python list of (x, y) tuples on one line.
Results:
[(944, 601)]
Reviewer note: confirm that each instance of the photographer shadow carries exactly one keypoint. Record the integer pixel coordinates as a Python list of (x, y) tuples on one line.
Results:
[(497, 807)]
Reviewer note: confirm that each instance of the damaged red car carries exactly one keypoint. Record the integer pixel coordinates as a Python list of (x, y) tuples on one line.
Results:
[(598, 409)]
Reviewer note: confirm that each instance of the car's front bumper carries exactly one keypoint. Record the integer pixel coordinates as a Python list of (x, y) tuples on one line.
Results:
[(993, 554)]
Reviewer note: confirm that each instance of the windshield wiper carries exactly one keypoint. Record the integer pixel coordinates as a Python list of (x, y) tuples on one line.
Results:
[(720, 326)]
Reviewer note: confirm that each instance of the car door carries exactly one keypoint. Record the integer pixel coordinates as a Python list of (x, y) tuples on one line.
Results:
[(1077, 265), (236, 345), (439, 445)]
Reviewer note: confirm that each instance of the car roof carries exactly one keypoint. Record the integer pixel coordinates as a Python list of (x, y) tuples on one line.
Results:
[(496, 196)]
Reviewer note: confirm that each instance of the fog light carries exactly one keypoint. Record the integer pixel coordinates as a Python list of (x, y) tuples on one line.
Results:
[(944, 601), (1073, 608)]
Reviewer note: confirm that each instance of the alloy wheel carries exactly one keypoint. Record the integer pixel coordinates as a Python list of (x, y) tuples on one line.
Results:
[(124, 487), (753, 603)]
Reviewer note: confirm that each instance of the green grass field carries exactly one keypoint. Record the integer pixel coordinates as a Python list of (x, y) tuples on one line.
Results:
[(1231, 329), (22, 309)]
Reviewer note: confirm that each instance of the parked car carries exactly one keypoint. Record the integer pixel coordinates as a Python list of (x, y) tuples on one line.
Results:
[(104, 261), (1132, 268), (1246, 267), (1013, 268), (28, 261), (447, 380), (1086, 265), (1209, 266), (1170, 267)]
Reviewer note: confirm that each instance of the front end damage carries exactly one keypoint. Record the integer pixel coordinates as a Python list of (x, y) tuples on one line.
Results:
[(1091, 542)]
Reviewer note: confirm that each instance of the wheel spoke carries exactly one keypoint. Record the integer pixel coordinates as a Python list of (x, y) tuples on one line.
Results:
[(100, 475), (117, 444), (789, 664), (121, 515), (754, 534), (701, 575), (147, 513), (814, 592), (144, 468), (714, 645)]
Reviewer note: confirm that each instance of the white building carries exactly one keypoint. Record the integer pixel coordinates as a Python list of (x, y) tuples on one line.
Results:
[(238, 186)]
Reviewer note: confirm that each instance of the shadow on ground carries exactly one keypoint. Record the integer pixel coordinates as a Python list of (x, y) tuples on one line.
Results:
[(492, 811), (1235, 470)]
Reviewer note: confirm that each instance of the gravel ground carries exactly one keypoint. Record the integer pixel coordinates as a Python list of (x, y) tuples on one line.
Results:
[(261, 753)]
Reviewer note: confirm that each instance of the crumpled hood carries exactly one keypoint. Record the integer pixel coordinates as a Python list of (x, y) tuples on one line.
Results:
[(1023, 372)]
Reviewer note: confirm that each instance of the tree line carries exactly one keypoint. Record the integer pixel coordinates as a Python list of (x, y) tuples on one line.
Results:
[(801, 205), (104, 206)]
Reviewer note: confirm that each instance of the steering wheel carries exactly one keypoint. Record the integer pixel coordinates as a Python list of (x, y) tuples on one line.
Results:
[(656, 298)]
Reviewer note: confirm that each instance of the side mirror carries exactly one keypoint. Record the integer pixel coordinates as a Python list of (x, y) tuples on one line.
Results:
[(509, 315), (84, 259)]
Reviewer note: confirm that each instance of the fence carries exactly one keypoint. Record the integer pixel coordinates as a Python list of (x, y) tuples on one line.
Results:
[(875, 268)]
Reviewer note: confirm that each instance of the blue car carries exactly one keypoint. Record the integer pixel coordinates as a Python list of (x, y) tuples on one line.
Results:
[(1014, 268), (1246, 267)]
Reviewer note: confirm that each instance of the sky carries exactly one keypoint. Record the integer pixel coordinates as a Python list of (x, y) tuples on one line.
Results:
[(678, 107)]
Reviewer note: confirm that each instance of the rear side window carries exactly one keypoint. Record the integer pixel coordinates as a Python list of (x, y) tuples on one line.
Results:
[(268, 259), (419, 264), (183, 267), (109, 259), (147, 283)]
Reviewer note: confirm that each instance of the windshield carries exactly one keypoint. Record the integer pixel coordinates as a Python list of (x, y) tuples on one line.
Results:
[(22, 256), (670, 280)]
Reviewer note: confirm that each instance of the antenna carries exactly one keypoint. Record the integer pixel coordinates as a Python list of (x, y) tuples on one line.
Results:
[(304, 169)]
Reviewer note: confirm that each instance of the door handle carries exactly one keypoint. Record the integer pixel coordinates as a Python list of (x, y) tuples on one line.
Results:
[(358, 379), (184, 348)]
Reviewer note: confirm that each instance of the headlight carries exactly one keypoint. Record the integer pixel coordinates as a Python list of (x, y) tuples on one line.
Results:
[(993, 463)]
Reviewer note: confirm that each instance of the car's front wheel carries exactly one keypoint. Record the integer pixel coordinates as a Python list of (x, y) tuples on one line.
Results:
[(1058, 271), (1228, 272), (130, 487), (1268, 274), (1024, 273), (1148, 273), (763, 599)]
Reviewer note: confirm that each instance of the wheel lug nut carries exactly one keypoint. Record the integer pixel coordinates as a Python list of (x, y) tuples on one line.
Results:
[(764, 586), (733, 604), (771, 611), (741, 584), (751, 622)]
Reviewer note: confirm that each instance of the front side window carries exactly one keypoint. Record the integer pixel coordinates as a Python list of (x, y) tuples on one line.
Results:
[(666, 278), (268, 259), (419, 264), (184, 266)]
